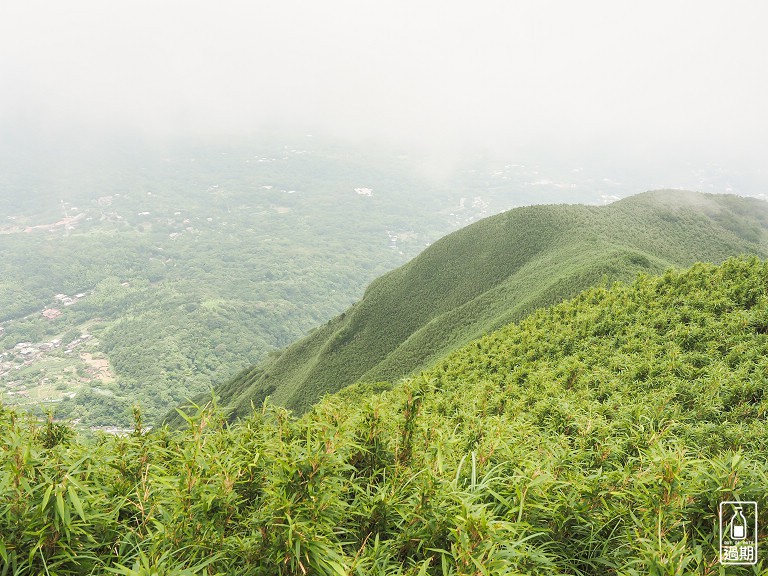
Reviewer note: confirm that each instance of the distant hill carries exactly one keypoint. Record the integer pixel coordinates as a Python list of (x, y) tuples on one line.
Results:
[(494, 272)]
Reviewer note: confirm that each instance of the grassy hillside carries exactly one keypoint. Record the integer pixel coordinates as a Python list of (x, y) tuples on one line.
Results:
[(494, 272), (596, 437)]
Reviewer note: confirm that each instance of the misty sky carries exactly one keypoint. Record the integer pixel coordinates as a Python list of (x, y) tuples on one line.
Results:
[(564, 74)]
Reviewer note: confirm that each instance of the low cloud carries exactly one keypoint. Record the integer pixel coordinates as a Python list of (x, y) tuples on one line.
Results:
[(577, 77)]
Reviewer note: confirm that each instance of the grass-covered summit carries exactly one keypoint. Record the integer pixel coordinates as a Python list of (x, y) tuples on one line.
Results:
[(494, 272), (595, 437)]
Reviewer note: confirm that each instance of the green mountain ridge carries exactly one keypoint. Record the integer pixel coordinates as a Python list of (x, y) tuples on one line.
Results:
[(493, 272), (598, 436)]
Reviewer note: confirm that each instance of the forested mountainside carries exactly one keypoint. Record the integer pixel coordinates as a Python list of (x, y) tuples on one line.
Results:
[(491, 273), (595, 437), (144, 273)]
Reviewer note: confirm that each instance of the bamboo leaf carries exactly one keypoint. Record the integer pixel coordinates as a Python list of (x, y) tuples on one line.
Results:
[(73, 497), (46, 497), (60, 505)]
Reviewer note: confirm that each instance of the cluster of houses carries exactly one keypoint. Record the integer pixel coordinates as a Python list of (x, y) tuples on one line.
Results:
[(29, 353), (63, 300), (68, 300)]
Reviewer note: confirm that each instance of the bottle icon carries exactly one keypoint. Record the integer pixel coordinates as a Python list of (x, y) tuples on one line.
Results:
[(738, 533), (738, 525)]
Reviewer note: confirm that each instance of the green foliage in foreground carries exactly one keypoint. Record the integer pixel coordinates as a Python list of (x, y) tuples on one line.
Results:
[(597, 437), (494, 272)]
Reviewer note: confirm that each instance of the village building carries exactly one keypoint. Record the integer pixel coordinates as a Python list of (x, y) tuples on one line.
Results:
[(51, 313)]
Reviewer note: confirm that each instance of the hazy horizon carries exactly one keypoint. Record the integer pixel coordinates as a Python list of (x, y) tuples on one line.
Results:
[(598, 81)]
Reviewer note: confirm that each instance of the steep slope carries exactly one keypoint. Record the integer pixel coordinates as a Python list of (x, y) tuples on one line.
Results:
[(494, 272), (596, 437)]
